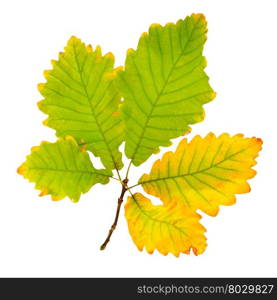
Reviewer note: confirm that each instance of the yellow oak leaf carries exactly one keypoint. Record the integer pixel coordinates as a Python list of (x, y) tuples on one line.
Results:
[(205, 173), (168, 229)]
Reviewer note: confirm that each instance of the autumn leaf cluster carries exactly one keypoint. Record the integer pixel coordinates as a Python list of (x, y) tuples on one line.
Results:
[(158, 94)]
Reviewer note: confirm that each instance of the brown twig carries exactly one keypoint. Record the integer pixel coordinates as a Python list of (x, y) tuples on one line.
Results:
[(119, 202)]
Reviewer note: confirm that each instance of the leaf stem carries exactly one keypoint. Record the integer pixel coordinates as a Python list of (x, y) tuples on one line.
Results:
[(132, 186), (119, 202), (118, 174), (128, 170), (115, 178)]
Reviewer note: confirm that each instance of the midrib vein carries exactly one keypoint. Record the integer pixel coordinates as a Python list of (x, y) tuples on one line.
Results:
[(68, 171), (193, 173), (89, 102), (160, 94), (153, 219)]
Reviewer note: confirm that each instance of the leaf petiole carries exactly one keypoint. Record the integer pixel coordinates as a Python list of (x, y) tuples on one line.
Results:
[(115, 178), (119, 203), (132, 186), (128, 169)]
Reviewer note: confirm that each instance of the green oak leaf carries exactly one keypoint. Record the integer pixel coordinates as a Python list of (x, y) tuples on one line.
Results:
[(62, 169), (164, 86), (82, 101)]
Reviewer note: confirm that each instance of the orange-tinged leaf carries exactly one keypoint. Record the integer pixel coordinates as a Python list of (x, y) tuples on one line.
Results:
[(205, 173), (168, 229)]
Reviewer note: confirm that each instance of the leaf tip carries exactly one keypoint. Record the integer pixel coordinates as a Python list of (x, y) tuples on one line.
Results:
[(35, 148), (156, 150), (144, 35), (155, 25), (75, 200), (259, 141), (46, 122), (56, 197), (43, 192), (98, 50), (188, 131), (213, 212), (109, 55), (44, 143), (21, 170), (46, 74), (169, 24), (40, 87), (195, 251), (40, 104), (89, 48), (53, 62), (130, 51), (199, 17), (150, 251), (202, 116), (61, 55), (257, 144), (73, 39)]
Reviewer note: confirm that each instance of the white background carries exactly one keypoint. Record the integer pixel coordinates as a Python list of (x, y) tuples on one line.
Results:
[(39, 237)]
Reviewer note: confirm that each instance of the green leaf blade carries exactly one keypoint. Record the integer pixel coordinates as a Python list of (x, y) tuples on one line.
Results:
[(62, 169), (164, 86), (82, 101)]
